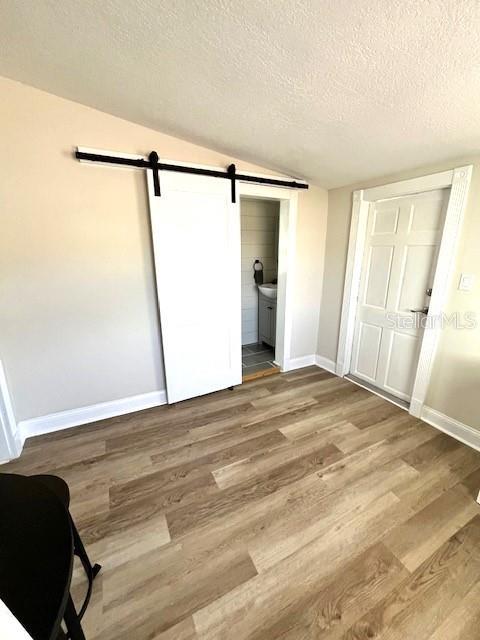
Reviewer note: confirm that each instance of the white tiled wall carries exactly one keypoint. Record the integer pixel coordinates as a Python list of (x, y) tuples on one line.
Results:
[(259, 224)]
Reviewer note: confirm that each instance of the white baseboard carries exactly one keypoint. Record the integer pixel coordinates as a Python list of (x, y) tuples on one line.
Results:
[(308, 361), (92, 413), (416, 408), (299, 363), (326, 363), (458, 430)]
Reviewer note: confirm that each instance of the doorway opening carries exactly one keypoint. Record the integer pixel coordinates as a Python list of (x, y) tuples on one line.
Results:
[(401, 259), (260, 224)]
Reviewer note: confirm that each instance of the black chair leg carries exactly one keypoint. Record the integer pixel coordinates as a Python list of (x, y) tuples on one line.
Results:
[(81, 552), (90, 570), (72, 621)]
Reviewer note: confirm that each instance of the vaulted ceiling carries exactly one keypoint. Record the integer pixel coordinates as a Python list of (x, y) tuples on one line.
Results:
[(334, 91)]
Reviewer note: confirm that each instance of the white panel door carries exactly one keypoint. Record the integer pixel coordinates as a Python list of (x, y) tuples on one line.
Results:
[(403, 237), (196, 240)]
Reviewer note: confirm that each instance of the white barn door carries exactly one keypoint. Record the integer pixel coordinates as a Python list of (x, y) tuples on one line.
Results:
[(196, 241)]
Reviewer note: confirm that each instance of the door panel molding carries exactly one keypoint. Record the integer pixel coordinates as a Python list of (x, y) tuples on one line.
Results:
[(458, 180), (392, 361), (375, 333)]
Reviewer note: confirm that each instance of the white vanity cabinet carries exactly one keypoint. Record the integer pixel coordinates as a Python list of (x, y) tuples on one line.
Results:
[(267, 319)]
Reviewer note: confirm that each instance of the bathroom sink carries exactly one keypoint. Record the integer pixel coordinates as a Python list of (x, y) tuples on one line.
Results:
[(268, 290)]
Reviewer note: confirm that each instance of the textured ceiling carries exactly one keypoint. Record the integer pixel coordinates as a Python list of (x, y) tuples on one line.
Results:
[(333, 91)]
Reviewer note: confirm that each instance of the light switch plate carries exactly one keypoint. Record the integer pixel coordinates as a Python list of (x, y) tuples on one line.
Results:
[(467, 281)]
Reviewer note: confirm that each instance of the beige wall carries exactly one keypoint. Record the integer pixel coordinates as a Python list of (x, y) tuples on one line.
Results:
[(309, 269), (455, 383), (78, 316)]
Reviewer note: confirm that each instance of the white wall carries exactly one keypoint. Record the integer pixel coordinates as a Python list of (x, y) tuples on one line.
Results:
[(79, 322), (10, 626), (10, 439), (259, 225)]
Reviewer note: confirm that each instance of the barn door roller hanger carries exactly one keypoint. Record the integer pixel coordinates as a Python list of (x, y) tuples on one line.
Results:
[(154, 165)]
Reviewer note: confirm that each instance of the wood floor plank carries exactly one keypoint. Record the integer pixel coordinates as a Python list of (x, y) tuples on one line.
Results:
[(311, 389), (282, 383), (388, 429), (426, 598), (472, 483), (159, 564), (184, 630), (215, 503), (283, 537), (288, 511), (58, 457), (178, 434), (294, 507), (172, 600), (260, 601), (358, 463), (376, 411), (89, 496), (415, 540), (341, 398), (194, 472), (304, 372), (338, 431), (429, 453), (142, 513), (110, 467), (463, 623), (264, 419), (239, 527), (327, 612), (226, 445), (312, 451), (437, 475)]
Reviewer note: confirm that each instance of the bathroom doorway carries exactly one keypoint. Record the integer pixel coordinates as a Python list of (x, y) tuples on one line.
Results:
[(286, 203), (260, 226)]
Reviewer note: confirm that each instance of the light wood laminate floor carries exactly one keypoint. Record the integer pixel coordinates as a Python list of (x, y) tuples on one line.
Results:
[(298, 506)]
